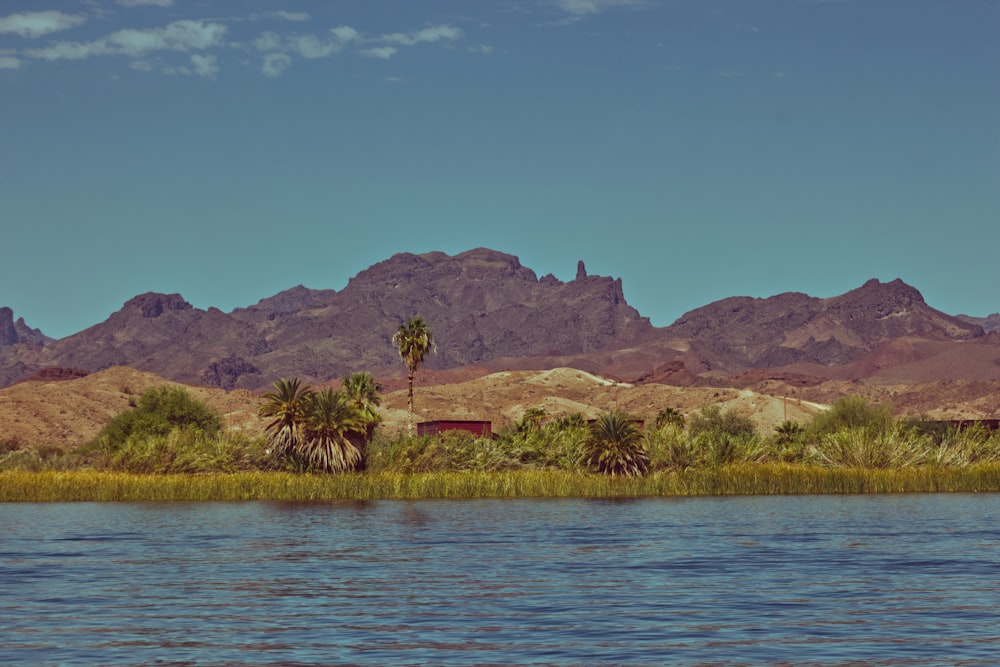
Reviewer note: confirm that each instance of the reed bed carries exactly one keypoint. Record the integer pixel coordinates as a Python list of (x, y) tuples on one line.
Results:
[(742, 479)]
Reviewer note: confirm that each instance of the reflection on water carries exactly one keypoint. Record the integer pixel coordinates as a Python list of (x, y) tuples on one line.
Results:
[(888, 580)]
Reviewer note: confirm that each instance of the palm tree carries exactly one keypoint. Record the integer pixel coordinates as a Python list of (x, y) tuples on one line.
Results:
[(362, 391), (532, 419), (614, 446), (670, 416), (286, 406), (788, 431), (330, 419), (414, 341)]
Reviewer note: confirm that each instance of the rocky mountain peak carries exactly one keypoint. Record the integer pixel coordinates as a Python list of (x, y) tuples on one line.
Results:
[(14, 331), (153, 304), (291, 300), (882, 297)]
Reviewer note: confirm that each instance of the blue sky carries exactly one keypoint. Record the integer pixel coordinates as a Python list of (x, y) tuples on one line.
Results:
[(698, 149)]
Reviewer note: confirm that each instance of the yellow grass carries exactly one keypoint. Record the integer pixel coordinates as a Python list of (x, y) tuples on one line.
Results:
[(747, 479)]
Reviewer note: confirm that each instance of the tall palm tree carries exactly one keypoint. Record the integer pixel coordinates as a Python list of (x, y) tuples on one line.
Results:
[(286, 406), (414, 341), (330, 419), (614, 446)]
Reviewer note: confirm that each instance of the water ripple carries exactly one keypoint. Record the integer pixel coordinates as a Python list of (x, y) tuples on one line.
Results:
[(874, 580)]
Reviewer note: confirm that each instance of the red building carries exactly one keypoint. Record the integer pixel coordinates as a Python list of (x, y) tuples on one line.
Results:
[(480, 428)]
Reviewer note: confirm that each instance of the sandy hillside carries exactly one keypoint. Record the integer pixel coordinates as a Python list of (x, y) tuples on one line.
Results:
[(502, 398), (69, 413)]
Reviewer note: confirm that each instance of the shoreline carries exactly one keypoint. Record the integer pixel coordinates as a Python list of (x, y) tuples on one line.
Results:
[(735, 480)]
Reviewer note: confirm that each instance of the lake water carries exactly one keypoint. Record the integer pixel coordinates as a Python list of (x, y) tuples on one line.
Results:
[(819, 580)]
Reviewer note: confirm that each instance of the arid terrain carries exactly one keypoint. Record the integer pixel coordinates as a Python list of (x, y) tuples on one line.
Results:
[(69, 412)]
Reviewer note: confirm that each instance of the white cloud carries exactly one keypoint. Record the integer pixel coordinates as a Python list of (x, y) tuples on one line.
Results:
[(484, 49), (267, 41), (177, 36), (292, 16), (584, 7), (141, 66), (310, 46), (10, 62), (345, 34), (429, 34), (205, 65), (137, 3), (381, 52), (68, 51), (36, 24), (275, 64)]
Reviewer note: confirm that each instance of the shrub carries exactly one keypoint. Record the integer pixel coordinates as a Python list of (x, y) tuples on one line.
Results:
[(188, 451), (670, 447), (851, 412), (158, 412), (895, 446), (451, 450), (10, 444), (714, 420), (669, 416), (554, 445), (954, 447)]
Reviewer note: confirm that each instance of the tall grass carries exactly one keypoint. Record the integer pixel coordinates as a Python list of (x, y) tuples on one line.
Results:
[(742, 479)]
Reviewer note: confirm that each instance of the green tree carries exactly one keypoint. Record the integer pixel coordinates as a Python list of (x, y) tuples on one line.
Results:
[(329, 421), (362, 391), (614, 446), (671, 416), (532, 419), (159, 411), (286, 408), (414, 342), (713, 420)]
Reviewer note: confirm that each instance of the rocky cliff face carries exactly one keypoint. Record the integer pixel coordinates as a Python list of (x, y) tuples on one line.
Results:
[(14, 332), (741, 333), (487, 310), (480, 304)]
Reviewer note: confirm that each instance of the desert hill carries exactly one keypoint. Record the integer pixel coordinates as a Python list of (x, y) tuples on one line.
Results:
[(70, 412)]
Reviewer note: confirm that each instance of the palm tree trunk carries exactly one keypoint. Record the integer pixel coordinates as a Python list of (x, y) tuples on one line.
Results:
[(409, 396)]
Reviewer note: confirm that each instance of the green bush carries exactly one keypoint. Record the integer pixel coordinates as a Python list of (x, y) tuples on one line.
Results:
[(851, 412), (451, 450), (158, 412), (188, 451), (714, 420), (555, 445), (670, 447), (875, 446), (965, 447), (669, 416)]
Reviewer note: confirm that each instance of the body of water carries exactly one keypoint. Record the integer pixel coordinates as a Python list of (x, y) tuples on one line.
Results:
[(819, 580)]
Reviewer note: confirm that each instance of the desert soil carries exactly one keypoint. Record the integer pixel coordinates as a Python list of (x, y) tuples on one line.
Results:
[(71, 412)]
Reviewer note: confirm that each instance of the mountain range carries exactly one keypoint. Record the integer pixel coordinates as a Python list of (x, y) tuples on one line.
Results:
[(489, 313)]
